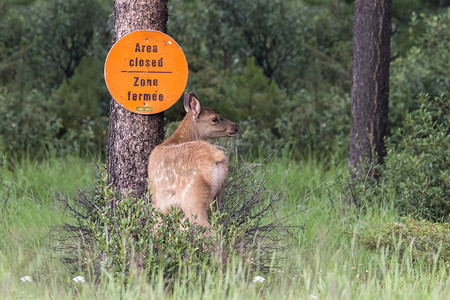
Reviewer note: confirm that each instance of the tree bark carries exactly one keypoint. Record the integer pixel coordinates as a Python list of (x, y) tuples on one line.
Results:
[(132, 136), (370, 89)]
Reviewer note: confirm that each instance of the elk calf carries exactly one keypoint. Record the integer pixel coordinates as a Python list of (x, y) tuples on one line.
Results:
[(187, 172)]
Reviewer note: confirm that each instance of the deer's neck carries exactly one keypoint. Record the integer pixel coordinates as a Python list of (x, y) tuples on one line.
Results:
[(185, 132)]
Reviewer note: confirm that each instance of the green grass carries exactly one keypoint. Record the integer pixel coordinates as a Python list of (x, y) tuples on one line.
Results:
[(324, 261)]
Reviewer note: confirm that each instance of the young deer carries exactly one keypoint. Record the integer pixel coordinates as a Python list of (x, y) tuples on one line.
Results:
[(187, 172)]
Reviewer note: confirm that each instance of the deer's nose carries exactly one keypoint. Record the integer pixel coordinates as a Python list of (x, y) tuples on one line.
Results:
[(233, 130), (237, 128)]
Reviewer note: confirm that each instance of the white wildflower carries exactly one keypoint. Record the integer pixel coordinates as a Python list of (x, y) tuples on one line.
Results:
[(259, 279), (26, 278), (78, 279)]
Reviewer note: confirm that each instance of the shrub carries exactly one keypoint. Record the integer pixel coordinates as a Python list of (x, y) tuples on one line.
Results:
[(251, 94), (72, 119), (82, 103), (416, 175), (425, 66), (315, 125), (128, 234), (418, 161), (303, 125), (28, 124), (119, 236), (423, 240), (51, 55)]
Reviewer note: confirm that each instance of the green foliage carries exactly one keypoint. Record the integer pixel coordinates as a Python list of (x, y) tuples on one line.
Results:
[(422, 240), (28, 124), (121, 234), (267, 31), (246, 94), (45, 41), (326, 62), (303, 105), (53, 95), (303, 126), (402, 9), (418, 164), (60, 45), (72, 119), (82, 102), (424, 67), (132, 234), (282, 69), (315, 125), (323, 261), (416, 176), (254, 96)]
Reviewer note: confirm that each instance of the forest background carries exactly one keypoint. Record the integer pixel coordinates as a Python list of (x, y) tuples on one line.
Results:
[(282, 69)]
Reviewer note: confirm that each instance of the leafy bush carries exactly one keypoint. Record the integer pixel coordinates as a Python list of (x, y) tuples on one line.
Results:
[(416, 175), (254, 95), (28, 124), (131, 233), (425, 66), (51, 55), (82, 103), (418, 161), (315, 125), (122, 236), (72, 119), (256, 141), (306, 126), (286, 88), (62, 33), (423, 240), (282, 68)]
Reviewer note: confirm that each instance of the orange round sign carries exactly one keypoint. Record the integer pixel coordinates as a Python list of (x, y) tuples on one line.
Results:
[(146, 71)]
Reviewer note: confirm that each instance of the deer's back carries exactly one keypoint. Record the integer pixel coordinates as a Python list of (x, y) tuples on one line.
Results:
[(186, 174)]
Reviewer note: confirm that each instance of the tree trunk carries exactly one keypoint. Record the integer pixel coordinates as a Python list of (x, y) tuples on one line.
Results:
[(132, 136), (370, 89)]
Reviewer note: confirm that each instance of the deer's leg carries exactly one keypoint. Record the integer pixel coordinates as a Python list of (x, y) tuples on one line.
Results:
[(221, 169), (196, 201)]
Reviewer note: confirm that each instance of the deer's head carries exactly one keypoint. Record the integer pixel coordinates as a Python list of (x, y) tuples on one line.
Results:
[(207, 124)]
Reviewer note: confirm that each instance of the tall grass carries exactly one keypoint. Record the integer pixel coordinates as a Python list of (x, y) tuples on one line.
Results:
[(324, 261)]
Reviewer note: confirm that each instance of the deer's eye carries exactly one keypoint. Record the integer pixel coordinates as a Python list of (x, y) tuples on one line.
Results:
[(215, 120)]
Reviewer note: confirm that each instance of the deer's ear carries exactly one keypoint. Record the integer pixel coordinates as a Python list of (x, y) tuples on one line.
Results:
[(191, 104), (186, 102)]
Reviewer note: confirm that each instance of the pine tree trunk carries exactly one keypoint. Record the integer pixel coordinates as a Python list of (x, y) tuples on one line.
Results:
[(133, 136), (370, 89)]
